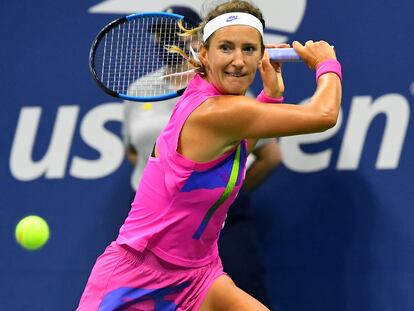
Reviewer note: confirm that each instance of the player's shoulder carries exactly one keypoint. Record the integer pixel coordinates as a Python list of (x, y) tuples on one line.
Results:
[(230, 103), (226, 100), (221, 107)]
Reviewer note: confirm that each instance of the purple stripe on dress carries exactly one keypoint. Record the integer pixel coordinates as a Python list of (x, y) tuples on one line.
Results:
[(217, 176)]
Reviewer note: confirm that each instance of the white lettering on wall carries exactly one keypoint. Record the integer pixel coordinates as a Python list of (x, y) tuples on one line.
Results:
[(363, 111), (53, 163), (109, 145)]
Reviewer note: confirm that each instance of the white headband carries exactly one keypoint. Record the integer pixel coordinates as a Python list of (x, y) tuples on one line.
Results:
[(230, 19)]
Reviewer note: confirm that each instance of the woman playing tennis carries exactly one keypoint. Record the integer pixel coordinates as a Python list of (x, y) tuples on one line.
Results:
[(165, 257)]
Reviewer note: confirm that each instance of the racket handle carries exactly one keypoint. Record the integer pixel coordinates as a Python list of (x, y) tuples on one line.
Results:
[(284, 55)]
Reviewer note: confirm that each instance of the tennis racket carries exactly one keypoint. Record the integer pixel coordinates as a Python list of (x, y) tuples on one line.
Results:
[(129, 58)]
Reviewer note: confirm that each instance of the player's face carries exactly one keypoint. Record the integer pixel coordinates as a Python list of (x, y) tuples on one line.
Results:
[(232, 58)]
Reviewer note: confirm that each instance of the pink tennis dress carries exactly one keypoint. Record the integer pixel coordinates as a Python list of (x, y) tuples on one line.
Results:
[(166, 255)]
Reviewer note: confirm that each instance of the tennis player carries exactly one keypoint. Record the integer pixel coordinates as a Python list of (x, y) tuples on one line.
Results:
[(165, 257), (142, 124)]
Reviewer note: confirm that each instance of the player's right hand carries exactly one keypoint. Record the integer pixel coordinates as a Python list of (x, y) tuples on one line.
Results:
[(314, 53)]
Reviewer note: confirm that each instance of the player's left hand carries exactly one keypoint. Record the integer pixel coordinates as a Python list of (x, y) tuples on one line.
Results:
[(271, 73)]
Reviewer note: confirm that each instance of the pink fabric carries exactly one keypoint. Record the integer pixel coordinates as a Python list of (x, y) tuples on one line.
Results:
[(263, 98), (175, 194), (124, 279), (330, 65)]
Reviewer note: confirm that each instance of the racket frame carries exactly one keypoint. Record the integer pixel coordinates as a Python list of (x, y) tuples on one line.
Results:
[(113, 25)]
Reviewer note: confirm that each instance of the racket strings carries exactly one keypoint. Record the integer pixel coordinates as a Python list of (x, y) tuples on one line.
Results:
[(132, 58)]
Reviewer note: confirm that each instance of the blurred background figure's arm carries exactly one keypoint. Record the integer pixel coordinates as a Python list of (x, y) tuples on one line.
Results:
[(267, 158), (132, 155)]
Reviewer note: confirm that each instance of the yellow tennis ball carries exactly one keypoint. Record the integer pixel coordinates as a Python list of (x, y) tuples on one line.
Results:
[(32, 232)]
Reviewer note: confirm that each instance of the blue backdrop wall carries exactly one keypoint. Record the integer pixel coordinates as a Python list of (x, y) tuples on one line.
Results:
[(335, 219)]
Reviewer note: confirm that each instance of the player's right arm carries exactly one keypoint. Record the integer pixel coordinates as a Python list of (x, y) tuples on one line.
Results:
[(223, 121), (252, 119)]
